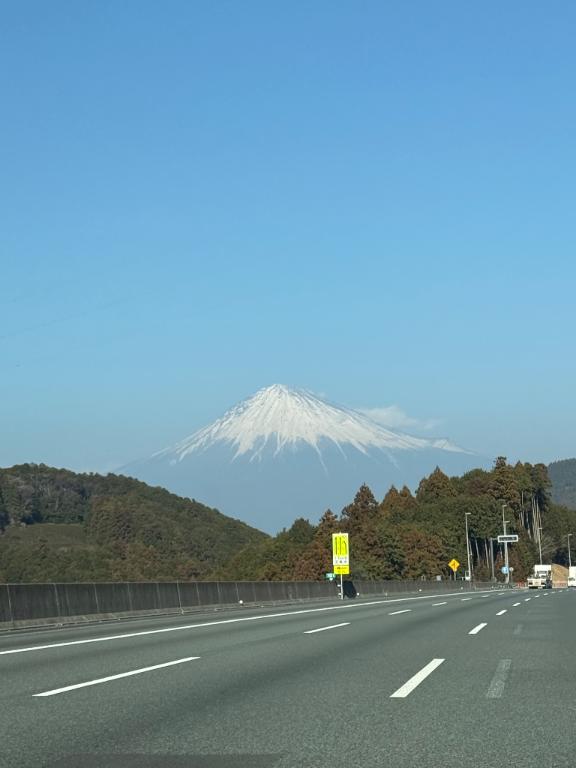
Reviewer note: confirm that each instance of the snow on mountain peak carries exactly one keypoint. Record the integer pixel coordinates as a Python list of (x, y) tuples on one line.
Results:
[(279, 417)]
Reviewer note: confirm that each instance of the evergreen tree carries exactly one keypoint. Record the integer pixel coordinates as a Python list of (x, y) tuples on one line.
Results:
[(301, 532), (503, 486), (435, 486), (398, 506), (391, 501), (363, 510), (377, 553), (423, 553)]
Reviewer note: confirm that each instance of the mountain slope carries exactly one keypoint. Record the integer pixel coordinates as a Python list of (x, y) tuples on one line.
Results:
[(59, 525), (562, 476), (285, 452), (280, 417)]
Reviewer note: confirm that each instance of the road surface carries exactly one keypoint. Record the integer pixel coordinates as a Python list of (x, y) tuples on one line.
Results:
[(481, 679)]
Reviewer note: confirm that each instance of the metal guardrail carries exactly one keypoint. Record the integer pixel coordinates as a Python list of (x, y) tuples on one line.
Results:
[(37, 604)]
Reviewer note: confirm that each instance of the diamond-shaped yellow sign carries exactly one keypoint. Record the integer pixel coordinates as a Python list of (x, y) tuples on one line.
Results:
[(454, 564)]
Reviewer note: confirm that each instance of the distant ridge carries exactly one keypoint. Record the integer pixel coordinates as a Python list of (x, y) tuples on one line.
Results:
[(562, 476)]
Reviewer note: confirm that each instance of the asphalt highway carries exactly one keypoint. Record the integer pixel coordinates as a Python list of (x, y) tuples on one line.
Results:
[(479, 679)]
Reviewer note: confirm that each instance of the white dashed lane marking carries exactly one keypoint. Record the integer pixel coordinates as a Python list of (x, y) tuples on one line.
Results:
[(414, 682), (496, 688), (115, 677), (323, 629)]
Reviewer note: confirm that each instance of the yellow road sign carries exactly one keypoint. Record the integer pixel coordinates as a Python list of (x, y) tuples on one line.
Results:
[(340, 549), (454, 564), (341, 570)]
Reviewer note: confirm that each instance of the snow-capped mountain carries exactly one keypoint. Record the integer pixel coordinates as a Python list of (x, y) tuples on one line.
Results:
[(279, 417), (285, 453)]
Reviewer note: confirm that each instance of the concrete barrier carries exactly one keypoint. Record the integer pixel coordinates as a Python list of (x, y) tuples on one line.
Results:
[(25, 605)]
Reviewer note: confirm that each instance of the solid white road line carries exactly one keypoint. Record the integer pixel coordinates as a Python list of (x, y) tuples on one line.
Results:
[(515, 604), (242, 619), (115, 677), (496, 688), (415, 681), (477, 628), (323, 629), (395, 613), (501, 612), (444, 603)]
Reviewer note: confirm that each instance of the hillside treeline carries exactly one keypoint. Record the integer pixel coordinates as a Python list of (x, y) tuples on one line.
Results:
[(406, 536), (57, 525)]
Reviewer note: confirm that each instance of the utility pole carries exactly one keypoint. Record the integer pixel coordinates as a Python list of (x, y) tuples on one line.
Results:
[(504, 522), (466, 514), (569, 555)]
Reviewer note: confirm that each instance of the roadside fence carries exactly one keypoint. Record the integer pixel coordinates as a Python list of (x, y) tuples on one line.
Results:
[(24, 605)]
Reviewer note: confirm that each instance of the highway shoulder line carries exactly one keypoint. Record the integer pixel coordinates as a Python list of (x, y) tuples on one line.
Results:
[(414, 682), (132, 672), (220, 622)]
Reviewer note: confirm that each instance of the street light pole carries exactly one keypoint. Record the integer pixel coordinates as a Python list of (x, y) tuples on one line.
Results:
[(466, 514), (569, 555), (507, 579)]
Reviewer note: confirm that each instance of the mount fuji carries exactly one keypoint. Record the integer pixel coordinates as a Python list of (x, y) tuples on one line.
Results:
[(286, 453)]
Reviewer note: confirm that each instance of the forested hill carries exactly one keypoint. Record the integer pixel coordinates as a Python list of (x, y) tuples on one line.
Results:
[(415, 536), (563, 478), (60, 526), (56, 525)]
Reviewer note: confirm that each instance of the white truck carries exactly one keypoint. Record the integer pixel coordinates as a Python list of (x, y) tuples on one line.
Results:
[(572, 576), (541, 578)]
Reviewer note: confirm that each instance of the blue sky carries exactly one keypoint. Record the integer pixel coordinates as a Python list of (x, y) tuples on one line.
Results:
[(372, 200)]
